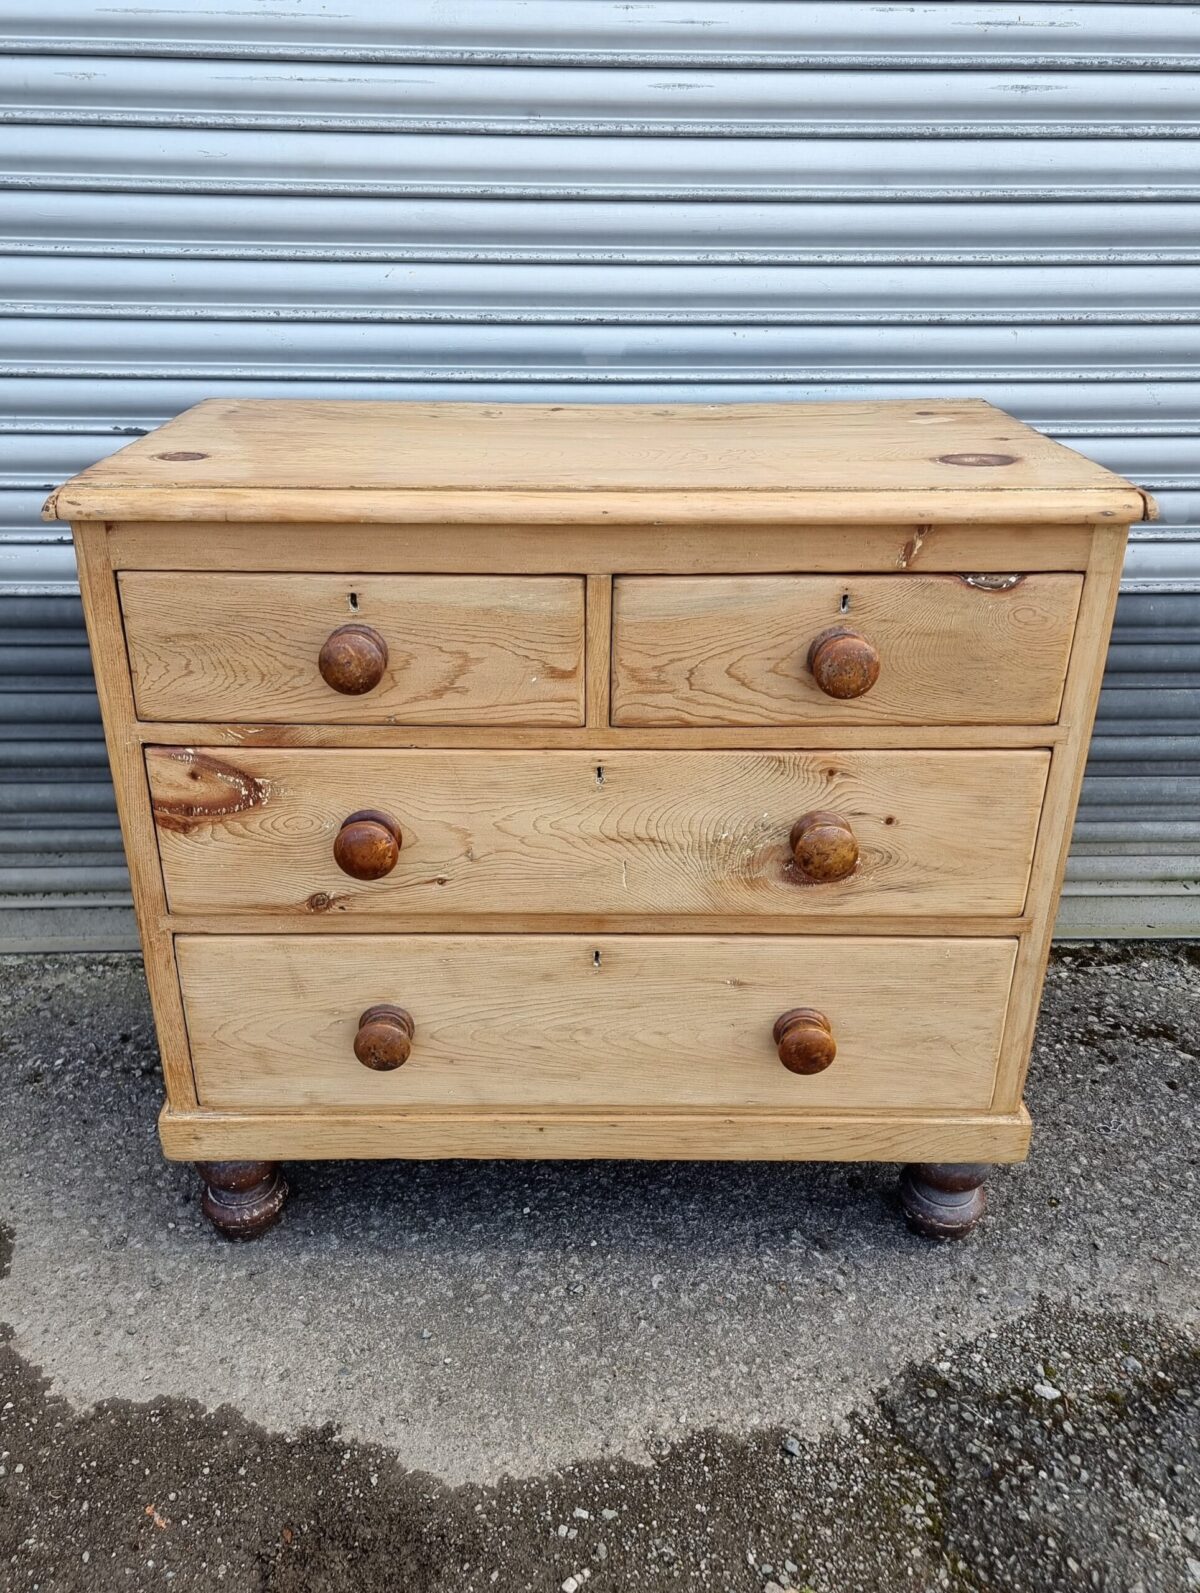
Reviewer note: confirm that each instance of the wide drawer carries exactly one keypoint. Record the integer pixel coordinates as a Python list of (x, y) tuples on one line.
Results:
[(611, 1021), (456, 650), (594, 834), (734, 650)]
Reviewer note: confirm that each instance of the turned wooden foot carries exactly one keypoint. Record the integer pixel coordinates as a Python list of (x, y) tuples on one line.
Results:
[(242, 1199), (943, 1200)]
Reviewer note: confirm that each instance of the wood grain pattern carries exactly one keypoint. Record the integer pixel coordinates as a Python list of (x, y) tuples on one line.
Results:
[(98, 589), (264, 459), (541, 1020), (525, 807), (599, 643), (692, 1135), (505, 650), (1082, 693), (476, 923), (658, 510), (560, 833), (778, 738), (732, 650), (817, 546)]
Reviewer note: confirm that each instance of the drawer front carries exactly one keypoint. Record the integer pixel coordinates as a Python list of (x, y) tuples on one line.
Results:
[(734, 650), (430, 649), (610, 1021), (596, 834)]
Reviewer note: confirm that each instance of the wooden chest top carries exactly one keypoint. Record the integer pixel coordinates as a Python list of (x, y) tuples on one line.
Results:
[(924, 461), (621, 780)]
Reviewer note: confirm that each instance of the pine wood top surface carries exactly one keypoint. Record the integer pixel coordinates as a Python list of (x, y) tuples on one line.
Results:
[(928, 461)]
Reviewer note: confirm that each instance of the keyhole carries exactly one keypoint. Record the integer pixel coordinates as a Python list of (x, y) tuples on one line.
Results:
[(845, 604), (354, 602)]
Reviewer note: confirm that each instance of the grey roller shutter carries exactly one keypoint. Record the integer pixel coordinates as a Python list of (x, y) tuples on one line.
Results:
[(683, 199)]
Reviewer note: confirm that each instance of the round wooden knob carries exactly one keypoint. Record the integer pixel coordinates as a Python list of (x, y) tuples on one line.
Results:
[(353, 659), (368, 844), (843, 662), (384, 1038), (805, 1040), (823, 847)]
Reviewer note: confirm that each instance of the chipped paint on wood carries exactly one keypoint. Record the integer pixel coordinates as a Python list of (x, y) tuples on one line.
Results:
[(912, 547), (210, 790)]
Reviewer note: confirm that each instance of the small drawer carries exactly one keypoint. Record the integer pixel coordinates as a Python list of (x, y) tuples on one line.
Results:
[(355, 649), (443, 1021), (776, 836), (866, 650)]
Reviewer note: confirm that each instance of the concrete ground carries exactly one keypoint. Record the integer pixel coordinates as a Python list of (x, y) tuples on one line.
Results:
[(619, 1376)]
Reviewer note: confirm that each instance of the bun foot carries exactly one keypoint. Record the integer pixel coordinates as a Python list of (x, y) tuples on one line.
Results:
[(943, 1200), (242, 1199)]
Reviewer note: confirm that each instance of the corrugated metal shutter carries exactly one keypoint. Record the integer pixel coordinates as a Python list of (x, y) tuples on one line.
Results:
[(685, 199)]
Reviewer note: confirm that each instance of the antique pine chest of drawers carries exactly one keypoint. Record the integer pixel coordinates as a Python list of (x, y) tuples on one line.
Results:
[(507, 781)]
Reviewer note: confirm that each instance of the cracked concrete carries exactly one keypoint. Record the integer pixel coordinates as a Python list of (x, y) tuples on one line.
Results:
[(476, 1322)]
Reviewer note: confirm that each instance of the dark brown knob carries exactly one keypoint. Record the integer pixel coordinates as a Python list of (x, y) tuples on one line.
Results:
[(823, 847), (843, 662), (805, 1040), (384, 1038), (353, 659), (368, 844)]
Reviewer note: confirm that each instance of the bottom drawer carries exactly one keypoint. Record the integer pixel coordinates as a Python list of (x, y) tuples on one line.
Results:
[(607, 1021)]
